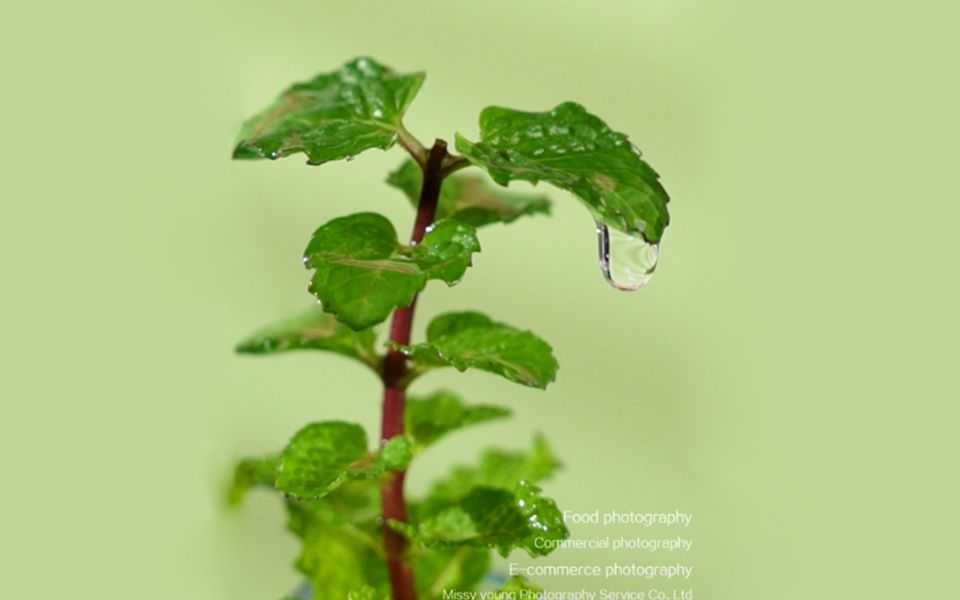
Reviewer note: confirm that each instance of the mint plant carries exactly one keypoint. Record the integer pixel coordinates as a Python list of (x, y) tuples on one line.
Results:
[(362, 539)]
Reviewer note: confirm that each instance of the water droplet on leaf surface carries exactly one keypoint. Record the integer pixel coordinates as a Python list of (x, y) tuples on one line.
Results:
[(626, 261)]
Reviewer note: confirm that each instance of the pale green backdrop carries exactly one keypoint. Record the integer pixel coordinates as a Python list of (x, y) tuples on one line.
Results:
[(788, 376)]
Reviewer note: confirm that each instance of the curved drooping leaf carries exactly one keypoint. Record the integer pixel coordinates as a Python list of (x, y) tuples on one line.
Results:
[(429, 418), (324, 456), (363, 272), (576, 151), (313, 329), (333, 116), (469, 198), (252, 472), (488, 517), (468, 340)]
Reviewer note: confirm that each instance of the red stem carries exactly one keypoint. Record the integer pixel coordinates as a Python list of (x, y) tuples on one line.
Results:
[(394, 371)]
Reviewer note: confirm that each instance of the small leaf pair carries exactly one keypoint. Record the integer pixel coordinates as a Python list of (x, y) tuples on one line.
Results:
[(361, 106), (462, 340), (362, 272)]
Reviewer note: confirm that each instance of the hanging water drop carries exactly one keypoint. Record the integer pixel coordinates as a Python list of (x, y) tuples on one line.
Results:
[(626, 261)]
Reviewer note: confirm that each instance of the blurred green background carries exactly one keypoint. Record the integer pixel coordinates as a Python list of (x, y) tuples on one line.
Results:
[(787, 376)]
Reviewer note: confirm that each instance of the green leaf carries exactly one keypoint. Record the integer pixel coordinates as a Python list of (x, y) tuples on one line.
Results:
[(472, 340), (367, 593), (469, 198), (490, 517), (363, 272), (513, 587), (252, 472), (431, 417), (324, 456), (396, 454), (338, 558), (448, 569), (313, 330), (333, 116), (575, 151), (497, 469), (354, 501), (492, 504)]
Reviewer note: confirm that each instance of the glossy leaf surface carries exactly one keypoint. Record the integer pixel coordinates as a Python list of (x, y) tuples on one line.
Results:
[(313, 330), (332, 116), (363, 272), (324, 456), (493, 504), (469, 198), (471, 340), (575, 151), (429, 418)]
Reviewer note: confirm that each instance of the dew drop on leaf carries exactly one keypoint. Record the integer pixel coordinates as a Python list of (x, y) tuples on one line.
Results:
[(626, 261)]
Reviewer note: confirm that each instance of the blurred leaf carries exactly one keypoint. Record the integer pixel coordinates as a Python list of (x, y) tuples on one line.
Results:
[(448, 569), (332, 116), (337, 557), (354, 501), (575, 151), (472, 340), (313, 330), (512, 589), (497, 469), (431, 417), (490, 517), (323, 456), (252, 472), (368, 593), (469, 198), (363, 272), (395, 454)]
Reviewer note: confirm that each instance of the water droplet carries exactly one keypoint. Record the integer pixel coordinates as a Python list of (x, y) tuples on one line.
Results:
[(626, 261), (348, 158)]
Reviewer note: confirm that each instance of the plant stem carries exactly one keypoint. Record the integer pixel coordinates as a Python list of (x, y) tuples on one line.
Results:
[(394, 389)]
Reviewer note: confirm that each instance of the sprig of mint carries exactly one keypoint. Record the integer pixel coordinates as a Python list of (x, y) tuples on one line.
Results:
[(361, 538)]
